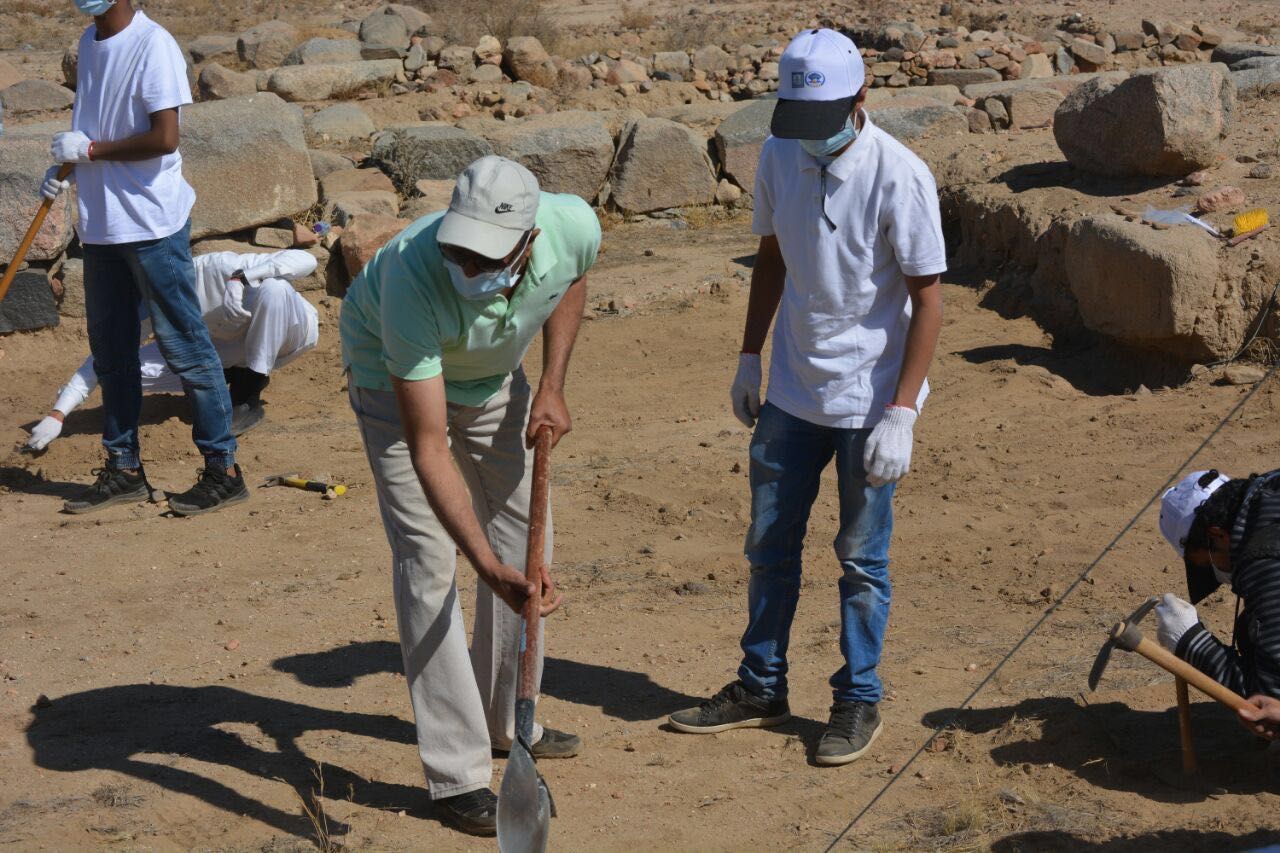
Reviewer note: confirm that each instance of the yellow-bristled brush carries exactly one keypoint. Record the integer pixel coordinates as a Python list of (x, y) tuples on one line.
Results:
[(1250, 220)]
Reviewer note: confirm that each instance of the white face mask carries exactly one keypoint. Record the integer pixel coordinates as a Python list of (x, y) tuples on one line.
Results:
[(1223, 577), (484, 285)]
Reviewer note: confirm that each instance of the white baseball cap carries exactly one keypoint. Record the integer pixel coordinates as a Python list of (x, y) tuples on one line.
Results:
[(819, 75), (1180, 504), (494, 204)]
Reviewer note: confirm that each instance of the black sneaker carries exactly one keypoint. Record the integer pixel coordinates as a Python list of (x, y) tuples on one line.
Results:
[(113, 486), (475, 812), (213, 490), (245, 417), (734, 707), (854, 726)]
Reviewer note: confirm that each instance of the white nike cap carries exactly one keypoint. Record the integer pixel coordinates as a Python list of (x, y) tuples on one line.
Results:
[(494, 204), (1180, 504), (819, 75)]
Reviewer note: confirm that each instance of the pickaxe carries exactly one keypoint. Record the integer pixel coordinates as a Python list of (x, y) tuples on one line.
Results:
[(1126, 636)]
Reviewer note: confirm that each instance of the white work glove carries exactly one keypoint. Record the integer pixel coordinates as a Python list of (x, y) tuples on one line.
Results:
[(745, 393), (70, 146), (52, 187), (233, 302), (1174, 617), (44, 432), (887, 457)]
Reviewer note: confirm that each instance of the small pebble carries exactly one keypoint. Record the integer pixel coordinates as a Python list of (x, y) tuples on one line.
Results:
[(232, 645)]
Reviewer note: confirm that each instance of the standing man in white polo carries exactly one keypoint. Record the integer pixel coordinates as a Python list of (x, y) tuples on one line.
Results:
[(850, 255), (434, 330)]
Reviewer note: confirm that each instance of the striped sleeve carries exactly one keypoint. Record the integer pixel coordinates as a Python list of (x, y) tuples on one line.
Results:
[(1256, 668)]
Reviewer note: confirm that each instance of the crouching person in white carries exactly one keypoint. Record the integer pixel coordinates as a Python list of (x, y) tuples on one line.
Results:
[(434, 330), (257, 321)]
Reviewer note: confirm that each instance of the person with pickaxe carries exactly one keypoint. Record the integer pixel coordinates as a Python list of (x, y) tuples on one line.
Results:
[(434, 330), (1228, 532)]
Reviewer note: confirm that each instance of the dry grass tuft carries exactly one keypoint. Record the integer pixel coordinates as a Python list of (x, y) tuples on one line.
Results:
[(313, 808), (116, 796), (692, 28), (465, 21), (636, 16)]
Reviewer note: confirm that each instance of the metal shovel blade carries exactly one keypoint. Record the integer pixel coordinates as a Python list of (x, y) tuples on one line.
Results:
[(524, 805)]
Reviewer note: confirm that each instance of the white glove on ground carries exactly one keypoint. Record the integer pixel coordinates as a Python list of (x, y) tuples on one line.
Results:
[(745, 393), (1174, 617), (887, 456), (52, 187), (233, 302), (70, 146), (44, 432)]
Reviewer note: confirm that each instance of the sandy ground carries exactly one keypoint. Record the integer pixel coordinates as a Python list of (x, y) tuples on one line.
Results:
[(197, 672)]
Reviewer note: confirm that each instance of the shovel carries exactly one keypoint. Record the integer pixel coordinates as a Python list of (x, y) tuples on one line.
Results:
[(25, 246), (525, 808)]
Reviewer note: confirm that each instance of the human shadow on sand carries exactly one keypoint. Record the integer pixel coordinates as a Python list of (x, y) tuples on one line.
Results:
[(139, 729), (1166, 841), (1113, 746), (619, 693), (27, 482)]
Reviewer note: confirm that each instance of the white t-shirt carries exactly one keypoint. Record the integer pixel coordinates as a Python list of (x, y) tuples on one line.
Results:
[(841, 331), (120, 82)]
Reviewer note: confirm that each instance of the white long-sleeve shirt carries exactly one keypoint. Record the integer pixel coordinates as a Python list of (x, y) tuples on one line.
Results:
[(281, 324)]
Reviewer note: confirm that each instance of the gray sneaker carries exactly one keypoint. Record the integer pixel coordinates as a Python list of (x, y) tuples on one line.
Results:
[(734, 707), (853, 727)]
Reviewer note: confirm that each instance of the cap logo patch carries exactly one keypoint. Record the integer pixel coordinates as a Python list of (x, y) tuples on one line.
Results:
[(814, 79), (505, 207), (797, 79)]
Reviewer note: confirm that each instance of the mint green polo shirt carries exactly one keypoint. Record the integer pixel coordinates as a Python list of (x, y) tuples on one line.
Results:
[(402, 316)]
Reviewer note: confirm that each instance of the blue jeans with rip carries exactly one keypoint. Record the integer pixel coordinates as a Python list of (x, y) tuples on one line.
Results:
[(788, 455), (160, 275)]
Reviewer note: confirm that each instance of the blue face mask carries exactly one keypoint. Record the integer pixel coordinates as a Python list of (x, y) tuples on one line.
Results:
[(828, 147), (485, 285), (94, 7)]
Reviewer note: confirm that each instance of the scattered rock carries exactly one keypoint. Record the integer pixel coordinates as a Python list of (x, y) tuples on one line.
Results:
[(232, 645), (1241, 374), (29, 303), (727, 193), (927, 122), (627, 71), (341, 122), (1162, 123), (341, 209), (1262, 171), (248, 162), (324, 162), (525, 58), (33, 96), (1032, 107), (382, 28), (739, 139), (354, 181), (659, 165), (23, 162), (364, 237), (963, 76), (274, 238), (267, 45), (212, 46), (217, 83), (71, 277), (1222, 199), (568, 152), (692, 588)]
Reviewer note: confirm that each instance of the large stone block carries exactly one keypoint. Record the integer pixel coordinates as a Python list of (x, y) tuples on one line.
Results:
[(1032, 107), (1233, 54), (1168, 122), (354, 180), (384, 28), (341, 123), (212, 46), (322, 51), (24, 157), (525, 58), (29, 303), (364, 236), (1150, 289), (267, 44), (739, 139), (962, 76), (217, 83), (34, 96), (568, 152), (922, 122), (661, 164), (247, 159), (434, 151), (332, 81)]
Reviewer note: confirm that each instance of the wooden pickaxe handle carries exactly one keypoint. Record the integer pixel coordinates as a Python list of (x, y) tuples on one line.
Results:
[(1189, 763), (36, 225), (535, 555), (1167, 661)]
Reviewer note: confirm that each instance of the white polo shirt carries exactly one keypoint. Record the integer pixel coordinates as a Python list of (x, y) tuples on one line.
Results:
[(841, 331)]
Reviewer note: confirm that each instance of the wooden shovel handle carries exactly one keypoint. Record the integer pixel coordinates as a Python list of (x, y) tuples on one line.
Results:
[(1184, 726), (1168, 661), (534, 560), (36, 224)]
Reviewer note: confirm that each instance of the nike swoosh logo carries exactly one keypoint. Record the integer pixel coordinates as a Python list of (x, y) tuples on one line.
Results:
[(505, 207)]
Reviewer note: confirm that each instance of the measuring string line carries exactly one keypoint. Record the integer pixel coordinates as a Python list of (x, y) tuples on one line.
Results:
[(939, 729)]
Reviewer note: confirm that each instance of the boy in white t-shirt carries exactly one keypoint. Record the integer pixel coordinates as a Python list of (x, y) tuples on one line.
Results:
[(135, 227), (850, 255)]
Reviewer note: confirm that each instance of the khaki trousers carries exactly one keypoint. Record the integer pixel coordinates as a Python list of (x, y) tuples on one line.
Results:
[(463, 702)]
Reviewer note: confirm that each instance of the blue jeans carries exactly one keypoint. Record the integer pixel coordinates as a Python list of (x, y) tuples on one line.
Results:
[(788, 456), (160, 275)]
